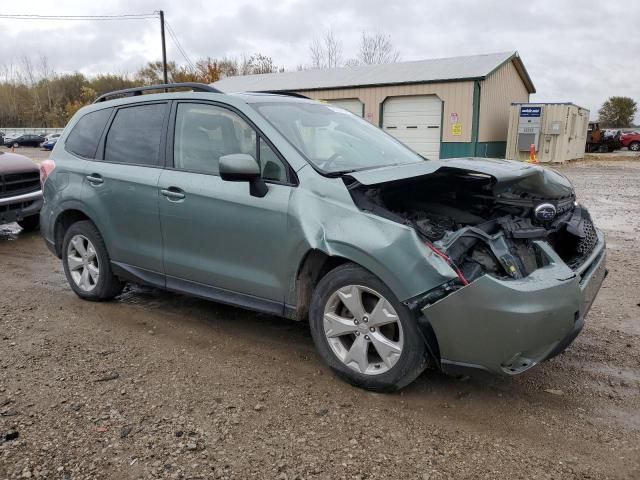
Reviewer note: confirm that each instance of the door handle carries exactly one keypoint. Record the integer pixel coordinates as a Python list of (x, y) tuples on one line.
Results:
[(173, 194), (95, 179)]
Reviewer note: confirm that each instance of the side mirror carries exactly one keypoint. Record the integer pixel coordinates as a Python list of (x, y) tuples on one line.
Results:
[(241, 167)]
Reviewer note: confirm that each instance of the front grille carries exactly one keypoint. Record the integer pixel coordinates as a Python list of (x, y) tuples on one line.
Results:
[(12, 184), (585, 244), (590, 239)]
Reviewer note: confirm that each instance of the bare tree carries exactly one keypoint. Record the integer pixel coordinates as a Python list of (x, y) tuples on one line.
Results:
[(262, 64), (31, 79), (256, 64), (326, 51), (376, 48), (46, 75)]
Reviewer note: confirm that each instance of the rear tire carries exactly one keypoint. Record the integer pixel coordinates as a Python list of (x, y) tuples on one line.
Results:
[(393, 352), (87, 265), (634, 146), (29, 224)]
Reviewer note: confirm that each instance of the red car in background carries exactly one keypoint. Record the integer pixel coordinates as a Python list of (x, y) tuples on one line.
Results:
[(631, 141)]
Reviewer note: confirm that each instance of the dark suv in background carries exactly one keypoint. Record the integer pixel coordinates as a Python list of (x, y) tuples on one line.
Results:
[(20, 193)]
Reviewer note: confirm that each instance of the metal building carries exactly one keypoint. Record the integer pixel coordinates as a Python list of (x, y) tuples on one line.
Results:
[(557, 130), (446, 107)]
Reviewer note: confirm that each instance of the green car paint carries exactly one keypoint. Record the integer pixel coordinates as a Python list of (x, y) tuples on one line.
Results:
[(248, 250), (507, 327)]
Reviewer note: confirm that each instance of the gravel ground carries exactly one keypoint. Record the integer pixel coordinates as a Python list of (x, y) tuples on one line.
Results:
[(157, 385)]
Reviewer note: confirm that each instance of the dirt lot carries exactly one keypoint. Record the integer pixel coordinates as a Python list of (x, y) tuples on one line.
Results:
[(156, 385)]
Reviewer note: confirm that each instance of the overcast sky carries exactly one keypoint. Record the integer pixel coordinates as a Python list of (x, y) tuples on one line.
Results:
[(580, 51)]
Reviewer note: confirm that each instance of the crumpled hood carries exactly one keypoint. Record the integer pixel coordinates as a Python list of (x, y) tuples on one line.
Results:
[(14, 163), (509, 175)]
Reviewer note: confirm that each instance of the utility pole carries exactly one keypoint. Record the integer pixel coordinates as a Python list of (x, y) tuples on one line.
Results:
[(164, 49)]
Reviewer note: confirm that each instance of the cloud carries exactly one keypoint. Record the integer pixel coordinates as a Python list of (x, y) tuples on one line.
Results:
[(575, 51)]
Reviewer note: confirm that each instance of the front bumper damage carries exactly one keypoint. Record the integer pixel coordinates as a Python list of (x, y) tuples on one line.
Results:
[(508, 326)]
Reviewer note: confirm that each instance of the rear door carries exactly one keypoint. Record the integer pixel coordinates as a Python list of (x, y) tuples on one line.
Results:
[(122, 184), (219, 241)]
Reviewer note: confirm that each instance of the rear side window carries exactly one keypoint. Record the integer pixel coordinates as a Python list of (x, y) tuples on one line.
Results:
[(135, 134), (85, 136)]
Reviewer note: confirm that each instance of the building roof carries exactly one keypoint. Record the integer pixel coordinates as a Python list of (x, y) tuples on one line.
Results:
[(474, 67)]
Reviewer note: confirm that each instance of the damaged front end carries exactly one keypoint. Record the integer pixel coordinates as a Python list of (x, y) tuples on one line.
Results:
[(528, 258)]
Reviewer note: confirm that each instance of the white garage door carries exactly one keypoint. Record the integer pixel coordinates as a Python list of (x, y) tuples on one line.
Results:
[(415, 121), (353, 105)]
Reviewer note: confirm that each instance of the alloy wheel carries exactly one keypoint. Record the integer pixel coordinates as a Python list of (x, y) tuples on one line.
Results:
[(363, 329), (83, 263)]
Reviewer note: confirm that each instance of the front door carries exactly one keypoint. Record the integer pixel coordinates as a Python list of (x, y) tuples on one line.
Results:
[(218, 239)]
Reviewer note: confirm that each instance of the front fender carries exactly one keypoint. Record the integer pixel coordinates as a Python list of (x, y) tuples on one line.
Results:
[(324, 217)]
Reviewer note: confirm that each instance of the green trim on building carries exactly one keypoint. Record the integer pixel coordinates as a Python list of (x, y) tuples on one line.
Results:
[(491, 149), (471, 149), (475, 125), (456, 149)]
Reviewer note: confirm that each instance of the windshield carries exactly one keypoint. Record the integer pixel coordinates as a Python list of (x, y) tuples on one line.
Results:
[(333, 139)]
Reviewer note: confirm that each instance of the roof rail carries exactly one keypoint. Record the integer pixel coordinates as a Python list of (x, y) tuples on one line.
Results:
[(132, 92), (286, 93)]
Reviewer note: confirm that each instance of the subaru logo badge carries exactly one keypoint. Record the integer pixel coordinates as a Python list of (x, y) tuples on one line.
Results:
[(545, 212)]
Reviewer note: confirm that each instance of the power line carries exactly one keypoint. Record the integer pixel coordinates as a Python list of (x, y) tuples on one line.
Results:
[(173, 36), (134, 16), (137, 16)]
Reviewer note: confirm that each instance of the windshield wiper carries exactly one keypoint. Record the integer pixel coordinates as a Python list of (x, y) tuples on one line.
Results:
[(361, 169), (339, 173)]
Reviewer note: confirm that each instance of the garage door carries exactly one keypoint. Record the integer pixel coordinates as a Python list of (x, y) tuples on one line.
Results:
[(415, 121), (353, 105)]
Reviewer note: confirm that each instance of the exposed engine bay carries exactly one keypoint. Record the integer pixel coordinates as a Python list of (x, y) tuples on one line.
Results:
[(481, 226)]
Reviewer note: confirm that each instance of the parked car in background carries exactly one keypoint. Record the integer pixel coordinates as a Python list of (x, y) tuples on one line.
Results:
[(20, 191), (25, 140), (49, 144), (301, 209), (8, 137), (631, 141), (51, 136)]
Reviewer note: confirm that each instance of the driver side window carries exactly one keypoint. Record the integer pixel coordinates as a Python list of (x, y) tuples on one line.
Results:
[(204, 133)]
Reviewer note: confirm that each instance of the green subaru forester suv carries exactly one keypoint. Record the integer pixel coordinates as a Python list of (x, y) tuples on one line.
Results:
[(296, 208)]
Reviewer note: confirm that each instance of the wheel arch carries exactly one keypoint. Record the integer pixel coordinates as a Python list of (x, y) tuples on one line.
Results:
[(63, 221), (316, 263)]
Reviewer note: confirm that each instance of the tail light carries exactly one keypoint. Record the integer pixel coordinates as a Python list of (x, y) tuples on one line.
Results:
[(46, 168)]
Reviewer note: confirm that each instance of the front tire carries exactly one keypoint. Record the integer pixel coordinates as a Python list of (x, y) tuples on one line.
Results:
[(634, 146), (363, 332), (87, 265), (30, 224)]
